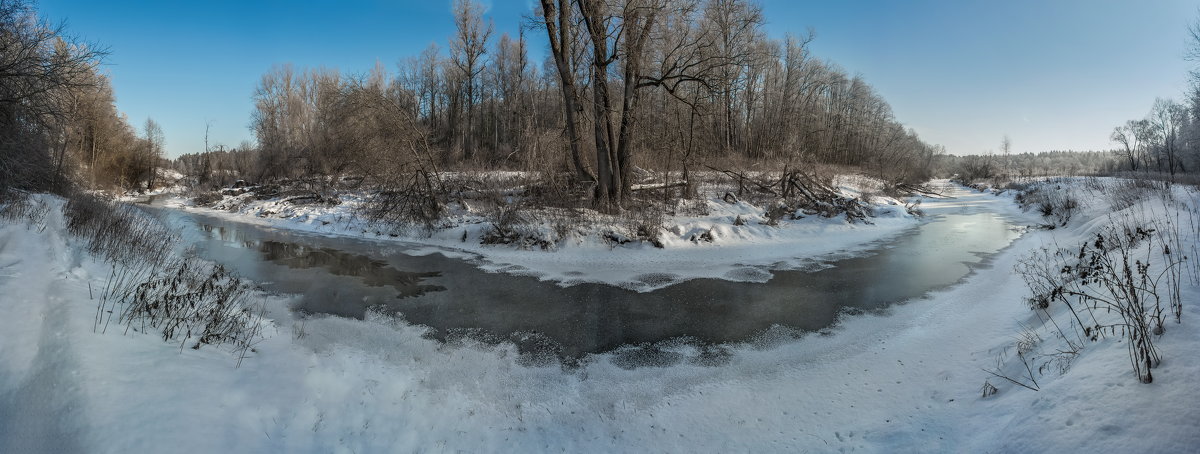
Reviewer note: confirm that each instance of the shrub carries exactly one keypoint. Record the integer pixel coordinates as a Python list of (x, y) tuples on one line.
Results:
[(16, 205), (189, 300), (1057, 203), (1127, 192), (646, 223), (1106, 276), (207, 198), (119, 232), (150, 288), (510, 225), (405, 200)]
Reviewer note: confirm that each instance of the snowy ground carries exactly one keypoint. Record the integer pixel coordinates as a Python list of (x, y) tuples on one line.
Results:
[(907, 380), (735, 252)]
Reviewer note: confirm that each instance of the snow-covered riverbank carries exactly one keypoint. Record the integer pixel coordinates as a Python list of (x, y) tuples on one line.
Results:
[(731, 241), (905, 380)]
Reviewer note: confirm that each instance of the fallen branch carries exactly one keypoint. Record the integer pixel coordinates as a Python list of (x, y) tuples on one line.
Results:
[(656, 186), (903, 187)]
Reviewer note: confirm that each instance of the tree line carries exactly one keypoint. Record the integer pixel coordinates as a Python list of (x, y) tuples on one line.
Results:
[(669, 85), (1005, 167), (626, 84), (1167, 139)]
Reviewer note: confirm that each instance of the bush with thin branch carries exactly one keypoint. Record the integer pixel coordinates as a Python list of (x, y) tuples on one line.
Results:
[(189, 301), (18, 205), (1111, 274), (152, 288), (1056, 202), (118, 232)]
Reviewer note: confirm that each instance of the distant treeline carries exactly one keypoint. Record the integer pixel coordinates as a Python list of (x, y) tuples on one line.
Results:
[(1167, 139), (1026, 165)]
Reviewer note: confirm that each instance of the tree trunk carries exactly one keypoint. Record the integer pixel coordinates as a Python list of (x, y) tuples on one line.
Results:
[(606, 159), (557, 29), (468, 139), (602, 126)]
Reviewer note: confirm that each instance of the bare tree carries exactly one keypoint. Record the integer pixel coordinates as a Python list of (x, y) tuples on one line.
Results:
[(1006, 153), (1192, 53), (467, 49), (668, 83), (736, 24), (1124, 135), (154, 150), (557, 19), (1167, 118), (42, 74)]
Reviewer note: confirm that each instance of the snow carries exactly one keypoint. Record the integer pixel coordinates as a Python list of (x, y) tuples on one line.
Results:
[(903, 380), (736, 253)]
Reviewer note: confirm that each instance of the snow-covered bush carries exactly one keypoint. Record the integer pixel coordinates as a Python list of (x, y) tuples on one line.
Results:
[(1126, 192), (152, 288), (405, 200), (1053, 201), (511, 224), (646, 223), (207, 198)]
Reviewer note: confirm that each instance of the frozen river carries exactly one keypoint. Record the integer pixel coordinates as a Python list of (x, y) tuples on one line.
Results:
[(346, 276)]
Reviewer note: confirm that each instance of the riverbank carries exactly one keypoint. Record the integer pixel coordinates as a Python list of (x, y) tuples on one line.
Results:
[(907, 379), (719, 239)]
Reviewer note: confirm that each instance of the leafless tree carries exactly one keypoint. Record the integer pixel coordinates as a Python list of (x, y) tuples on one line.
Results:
[(1168, 118), (467, 49), (1124, 136), (42, 72), (154, 150), (659, 83), (1006, 155), (559, 24)]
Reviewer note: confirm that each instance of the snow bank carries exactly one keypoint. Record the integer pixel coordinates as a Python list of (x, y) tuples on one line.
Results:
[(711, 245)]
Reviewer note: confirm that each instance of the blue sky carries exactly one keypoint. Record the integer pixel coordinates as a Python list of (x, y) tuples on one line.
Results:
[(1052, 74)]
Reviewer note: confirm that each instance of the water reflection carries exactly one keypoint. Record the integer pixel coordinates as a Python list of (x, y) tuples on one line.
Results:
[(370, 272), (375, 273)]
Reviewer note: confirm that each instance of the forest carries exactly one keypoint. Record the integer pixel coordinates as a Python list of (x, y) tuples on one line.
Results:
[(662, 85), (625, 88)]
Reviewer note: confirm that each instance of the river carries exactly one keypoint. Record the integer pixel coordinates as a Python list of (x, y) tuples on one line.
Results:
[(346, 276)]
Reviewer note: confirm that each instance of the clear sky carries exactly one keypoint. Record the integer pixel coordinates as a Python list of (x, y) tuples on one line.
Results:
[(1052, 74)]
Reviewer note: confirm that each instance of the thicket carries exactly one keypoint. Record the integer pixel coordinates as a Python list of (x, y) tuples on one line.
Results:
[(1055, 201), (183, 299), (18, 206)]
